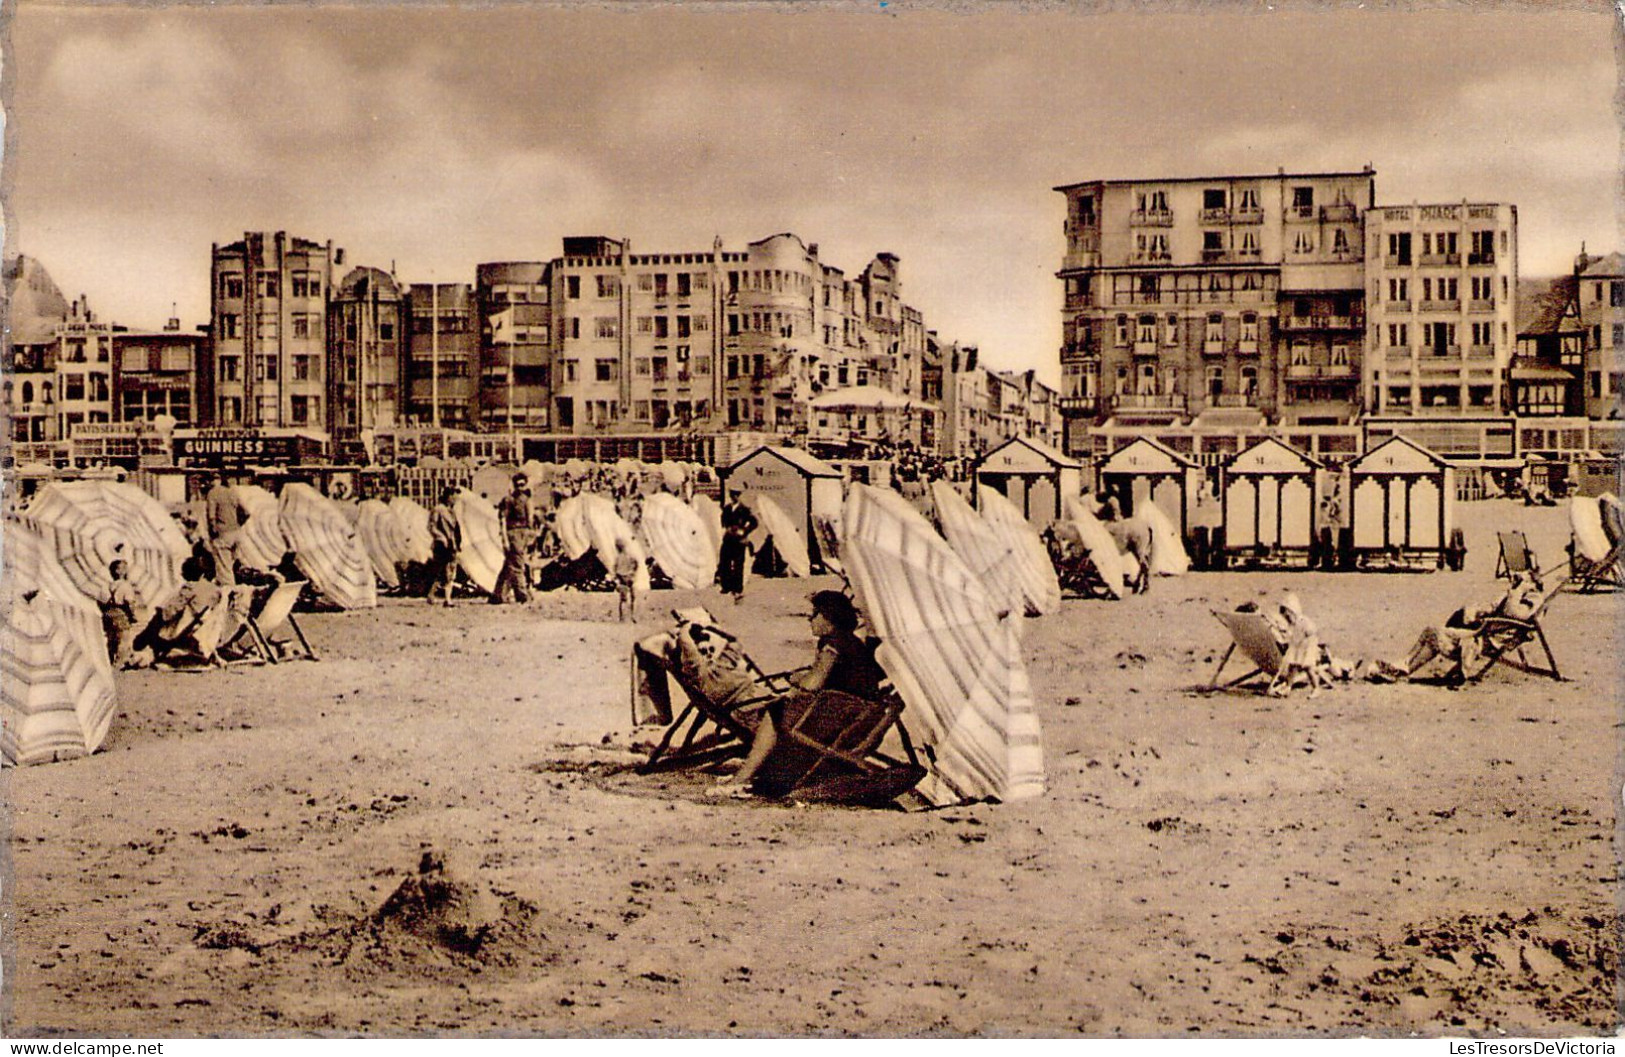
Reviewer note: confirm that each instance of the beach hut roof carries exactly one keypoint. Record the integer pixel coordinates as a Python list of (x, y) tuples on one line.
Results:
[(1272, 455), (1035, 448), (1398, 454), (1145, 455), (806, 463)]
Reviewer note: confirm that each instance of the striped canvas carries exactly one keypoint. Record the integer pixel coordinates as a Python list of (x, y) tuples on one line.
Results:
[(56, 683), (326, 549), (788, 540), (384, 539), (679, 541), (86, 524), (261, 544), (481, 555), (1030, 561), (414, 521), (957, 665), (989, 554)]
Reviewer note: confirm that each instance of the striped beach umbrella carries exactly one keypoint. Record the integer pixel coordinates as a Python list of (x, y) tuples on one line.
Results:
[(1030, 561), (56, 683), (680, 541), (1099, 546), (87, 524), (260, 544), (414, 521), (788, 540), (570, 522), (605, 526), (710, 515), (955, 661), (482, 554), (1168, 557), (384, 539), (326, 548), (989, 553)]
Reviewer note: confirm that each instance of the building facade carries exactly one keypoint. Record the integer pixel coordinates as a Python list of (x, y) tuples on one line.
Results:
[(515, 329), (365, 328), (268, 330), (160, 373), (1219, 300), (1600, 295), (1441, 286), (443, 355)]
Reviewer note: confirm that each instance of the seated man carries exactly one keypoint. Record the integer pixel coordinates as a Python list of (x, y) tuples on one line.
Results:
[(844, 663), (1454, 641), (173, 622)]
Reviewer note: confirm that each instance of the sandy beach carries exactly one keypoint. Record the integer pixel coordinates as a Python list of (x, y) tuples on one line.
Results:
[(1378, 860)]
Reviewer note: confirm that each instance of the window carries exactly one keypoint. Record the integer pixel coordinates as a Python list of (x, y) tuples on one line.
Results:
[(1249, 381), (604, 370), (1616, 294), (608, 286), (1249, 243), (1148, 287), (660, 284), (1617, 338), (662, 324), (265, 326), (573, 331), (682, 284), (1303, 242), (1248, 199), (231, 325), (1399, 335), (733, 324), (1214, 331), (134, 359), (1170, 330), (1483, 333), (231, 409), (265, 368), (1212, 243), (301, 368), (301, 324), (702, 323), (1300, 354), (1215, 198), (1483, 248), (299, 409), (703, 282), (1122, 330), (307, 284), (683, 329), (1146, 331), (1249, 327), (229, 368), (640, 367), (1250, 281), (1483, 287), (570, 370), (1399, 289), (605, 327), (659, 364), (1399, 247), (231, 285), (1427, 289), (266, 284), (1439, 337), (646, 324), (1303, 201), (640, 410), (572, 287), (1340, 355), (1340, 240), (646, 282)]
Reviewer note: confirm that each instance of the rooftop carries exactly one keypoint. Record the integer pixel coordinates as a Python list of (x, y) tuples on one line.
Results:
[(1281, 175)]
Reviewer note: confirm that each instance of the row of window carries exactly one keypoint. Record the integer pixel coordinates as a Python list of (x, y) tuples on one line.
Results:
[(139, 358), (1444, 244), (269, 284), (1083, 380), (302, 410), (228, 368), (1442, 336)]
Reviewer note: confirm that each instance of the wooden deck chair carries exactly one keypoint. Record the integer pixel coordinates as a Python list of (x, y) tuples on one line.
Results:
[(1516, 557), (271, 615), (712, 727), (1593, 575), (1503, 640), (1252, 634), (1079, 577), (830, 752)]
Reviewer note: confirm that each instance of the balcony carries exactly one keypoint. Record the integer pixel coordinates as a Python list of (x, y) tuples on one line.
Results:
[(1152, 257), (1079, 405), (1145, 348), (1341, 212), (1247, 216), (1439, 259), (1316, 371), (1481, 304), (1350, 322), (1439, 352), (1481, 258), (1247, 346), (1397, 261), (1248, 253), (1232, 400), (1398, 306), (1300, 212), (1152, 218), (1148, 402), (1213, 347), (1212, 256), (1079, 351), (1215, 216), (1484, 352), (1083, 225)]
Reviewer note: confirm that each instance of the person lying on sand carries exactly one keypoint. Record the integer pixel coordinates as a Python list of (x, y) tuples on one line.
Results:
[(843, 663), (1455, 641)]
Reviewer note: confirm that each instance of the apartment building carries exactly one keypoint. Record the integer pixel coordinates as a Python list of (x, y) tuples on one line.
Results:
[(440, 381), (1600, 295), (1441, 296), (1213, 301), (84, 370), (268, 330), (160, 373), (515, 379), (365, 321)]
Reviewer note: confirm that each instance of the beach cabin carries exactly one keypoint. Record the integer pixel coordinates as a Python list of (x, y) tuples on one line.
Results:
[(1402, 506), (1033, 476), (1271, 502), (800, 483), (1147, 471)]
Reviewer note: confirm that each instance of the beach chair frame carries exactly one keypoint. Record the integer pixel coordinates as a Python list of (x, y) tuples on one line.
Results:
[(1594, 575), (1515, 557), (1081, 578), (1504, 640), (1250, 633), (712, 731), (275, 611), (849, 767)]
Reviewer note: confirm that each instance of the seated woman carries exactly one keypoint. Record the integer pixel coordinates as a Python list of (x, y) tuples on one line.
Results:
[(173, 622), (1454, 641), (844, 664)]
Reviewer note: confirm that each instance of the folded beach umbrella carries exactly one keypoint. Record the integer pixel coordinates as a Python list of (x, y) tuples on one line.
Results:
[(1168, 557), (711, 514), (1586, 521), (679, 541), (260, 544), (326, 548), (1029, 558), (672, 475), (953, 658), (482, 554), (384, 539), (414, 520), (56, 683), (1099, 545), (788, 540), (1613, 518), (86, 524), (827, 531), (989, 553), (570, 522)]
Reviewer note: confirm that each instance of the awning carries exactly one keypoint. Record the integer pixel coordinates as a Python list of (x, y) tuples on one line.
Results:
[(1542, 374)]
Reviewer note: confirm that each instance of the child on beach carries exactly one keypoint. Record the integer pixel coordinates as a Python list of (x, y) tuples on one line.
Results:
[(626, 581)]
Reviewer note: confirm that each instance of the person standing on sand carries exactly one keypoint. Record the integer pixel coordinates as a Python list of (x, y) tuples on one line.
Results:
[(119, 613), (737, 524), (626, 581), (447, 537), (517, 514), (225, 514)]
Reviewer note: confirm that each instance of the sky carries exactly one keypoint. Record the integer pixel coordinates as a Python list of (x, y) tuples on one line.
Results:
[(434, 138)]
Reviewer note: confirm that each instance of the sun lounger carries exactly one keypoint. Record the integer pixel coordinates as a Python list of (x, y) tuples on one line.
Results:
[(1589, 576), (272, 615), (1503, 640), (1516, 557), (830, 751), (1250, 633)]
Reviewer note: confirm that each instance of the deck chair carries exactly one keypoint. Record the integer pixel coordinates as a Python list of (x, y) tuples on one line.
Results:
[(831, 751), (1591, 575), (1252, 634), (1503, 640), (1079, 577), (1516, 557), (727, 695), (271, 615)]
